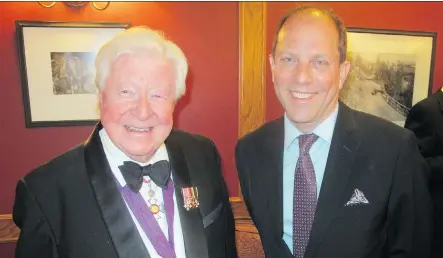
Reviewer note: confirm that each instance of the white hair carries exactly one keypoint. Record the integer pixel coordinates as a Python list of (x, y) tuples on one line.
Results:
[(134, 40)]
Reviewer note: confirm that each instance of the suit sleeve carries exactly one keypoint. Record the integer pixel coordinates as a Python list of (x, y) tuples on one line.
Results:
[(421, 124), (243, 177), (36, 238), (230, 244), (409, 211)]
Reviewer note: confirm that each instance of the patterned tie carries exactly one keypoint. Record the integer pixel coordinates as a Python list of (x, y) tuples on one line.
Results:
[(305, 196)]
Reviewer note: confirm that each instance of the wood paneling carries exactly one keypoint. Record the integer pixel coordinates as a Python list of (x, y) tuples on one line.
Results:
[(252, 79), (252, 73), (8, 231)]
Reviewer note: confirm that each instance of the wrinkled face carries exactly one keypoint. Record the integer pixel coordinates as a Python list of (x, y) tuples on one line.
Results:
[(137, 103), (306, 69)]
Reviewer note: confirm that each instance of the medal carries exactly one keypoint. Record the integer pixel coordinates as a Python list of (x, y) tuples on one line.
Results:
[(151, 193), (154, 209), (190, 198)]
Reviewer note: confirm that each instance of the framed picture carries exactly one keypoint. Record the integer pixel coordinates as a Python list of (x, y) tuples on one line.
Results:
[(57, 70), (390, 71)]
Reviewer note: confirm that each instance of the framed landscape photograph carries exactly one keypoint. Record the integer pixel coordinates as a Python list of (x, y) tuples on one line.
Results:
[(390, 71), (57, 70)]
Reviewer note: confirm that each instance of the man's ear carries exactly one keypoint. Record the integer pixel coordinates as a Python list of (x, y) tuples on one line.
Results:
[(100, 97), (272, 64), (344, 71), (99, 102)]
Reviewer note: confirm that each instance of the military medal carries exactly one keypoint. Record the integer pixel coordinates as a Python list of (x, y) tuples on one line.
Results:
[(190, 197), (154, 209), (152, 201), (151, 193)]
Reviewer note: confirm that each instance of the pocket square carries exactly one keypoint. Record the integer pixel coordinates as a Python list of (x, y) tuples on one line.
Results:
[(357, 198)]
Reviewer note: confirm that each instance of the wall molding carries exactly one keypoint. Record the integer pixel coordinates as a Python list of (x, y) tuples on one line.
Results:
[(252, 67), (8, 231), (252, 74)]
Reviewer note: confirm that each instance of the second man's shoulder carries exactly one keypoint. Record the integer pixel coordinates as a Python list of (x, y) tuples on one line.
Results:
[(269, 130), (379, 130)]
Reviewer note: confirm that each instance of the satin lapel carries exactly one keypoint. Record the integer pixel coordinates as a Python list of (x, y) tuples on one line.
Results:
[(272, 180), (192, 226), (121, 227), (343, 150)]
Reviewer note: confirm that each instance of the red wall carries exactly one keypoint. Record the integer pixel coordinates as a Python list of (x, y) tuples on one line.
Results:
[(207, 33), (413, 16)]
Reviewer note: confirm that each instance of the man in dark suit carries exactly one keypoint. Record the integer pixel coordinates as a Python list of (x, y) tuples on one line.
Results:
[(136, 188), (325, 180), (425, 119)]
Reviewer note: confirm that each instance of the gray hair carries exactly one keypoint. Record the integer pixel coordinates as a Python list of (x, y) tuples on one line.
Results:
[(136, 39)]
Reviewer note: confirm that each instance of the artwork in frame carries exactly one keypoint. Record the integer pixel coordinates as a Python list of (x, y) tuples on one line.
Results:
[(390, 71), (57, 70)]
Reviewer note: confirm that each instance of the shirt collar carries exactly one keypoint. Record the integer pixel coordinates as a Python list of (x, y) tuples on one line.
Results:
[(324, 130), (116, 157)]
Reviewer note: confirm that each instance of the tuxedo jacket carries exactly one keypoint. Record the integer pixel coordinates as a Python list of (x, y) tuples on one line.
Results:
[(378, 158), (425, 119), (71, 206)]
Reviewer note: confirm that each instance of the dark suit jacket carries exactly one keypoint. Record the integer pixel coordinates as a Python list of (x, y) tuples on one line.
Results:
[(367, 153), (425, 119), (71, 206)]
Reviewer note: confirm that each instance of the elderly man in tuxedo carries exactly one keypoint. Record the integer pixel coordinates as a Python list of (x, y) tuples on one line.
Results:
[(137, 187), (425, 119), (325, 180)]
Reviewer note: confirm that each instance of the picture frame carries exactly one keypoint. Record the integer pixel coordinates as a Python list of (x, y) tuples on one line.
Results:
[(391, 70), (56, 62)]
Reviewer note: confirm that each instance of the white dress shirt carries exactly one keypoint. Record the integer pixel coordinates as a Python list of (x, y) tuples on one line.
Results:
[(116, 158)]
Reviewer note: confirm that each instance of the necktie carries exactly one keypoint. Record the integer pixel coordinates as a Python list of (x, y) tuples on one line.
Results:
[(305, 195), (159, 172)]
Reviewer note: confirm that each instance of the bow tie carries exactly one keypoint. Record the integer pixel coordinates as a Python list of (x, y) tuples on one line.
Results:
[(159, 172)]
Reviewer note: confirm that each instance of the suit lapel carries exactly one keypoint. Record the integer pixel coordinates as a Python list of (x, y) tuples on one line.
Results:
[(191, 222), (274, 174), (121, 227), (344, 147), (272, 181)]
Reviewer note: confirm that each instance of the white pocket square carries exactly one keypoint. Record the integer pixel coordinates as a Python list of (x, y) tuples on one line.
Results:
[(357, 198)]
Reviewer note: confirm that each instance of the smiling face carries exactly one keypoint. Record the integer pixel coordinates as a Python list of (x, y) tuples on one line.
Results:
[(306, 69), (137, 103)]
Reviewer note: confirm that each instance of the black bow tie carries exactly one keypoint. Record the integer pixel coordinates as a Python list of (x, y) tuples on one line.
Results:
[(133, 173)]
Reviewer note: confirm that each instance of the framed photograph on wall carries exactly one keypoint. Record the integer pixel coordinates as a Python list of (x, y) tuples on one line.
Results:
[(390, 71), (57, 70)]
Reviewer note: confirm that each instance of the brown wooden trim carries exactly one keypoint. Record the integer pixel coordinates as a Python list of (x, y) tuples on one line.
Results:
[(252, 77), (235, 199), (245, 226), (252, 67), (8, 231)]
